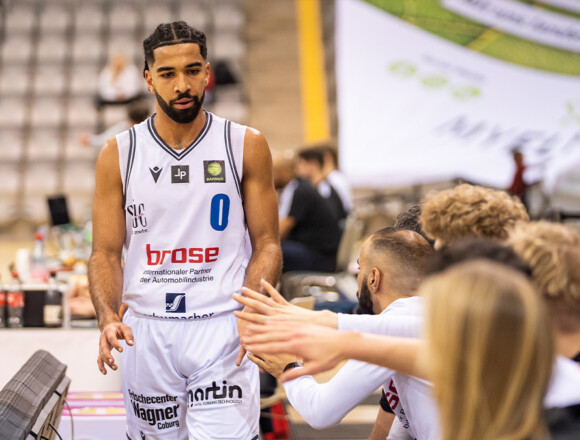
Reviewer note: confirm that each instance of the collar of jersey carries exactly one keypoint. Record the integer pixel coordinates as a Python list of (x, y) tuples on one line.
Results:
[(179, 154)]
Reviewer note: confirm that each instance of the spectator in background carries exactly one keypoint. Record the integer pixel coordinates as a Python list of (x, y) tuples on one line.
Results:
[(120, 82), (137, 112), (308, 226), (519, 186), (470, 211), (553, 252), (80, 302), (335, 177), (309, 166)]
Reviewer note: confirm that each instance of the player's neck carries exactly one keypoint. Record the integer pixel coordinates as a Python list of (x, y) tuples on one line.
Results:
[(176, 135), (568, 344)]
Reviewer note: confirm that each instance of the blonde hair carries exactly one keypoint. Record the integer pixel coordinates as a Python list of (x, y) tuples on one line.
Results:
[(490, 348), (552, 251), (470, 211)]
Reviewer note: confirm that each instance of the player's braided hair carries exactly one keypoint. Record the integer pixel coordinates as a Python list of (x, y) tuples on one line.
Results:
[(167, 34)]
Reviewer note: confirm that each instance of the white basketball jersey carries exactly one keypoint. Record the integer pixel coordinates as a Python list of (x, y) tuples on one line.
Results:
[(187, 244)]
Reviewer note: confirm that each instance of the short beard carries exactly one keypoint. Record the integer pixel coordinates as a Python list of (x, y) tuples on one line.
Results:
[(185, 116), (365, 303)]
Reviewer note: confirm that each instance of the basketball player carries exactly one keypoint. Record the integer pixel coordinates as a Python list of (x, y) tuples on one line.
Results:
[(188, 199)]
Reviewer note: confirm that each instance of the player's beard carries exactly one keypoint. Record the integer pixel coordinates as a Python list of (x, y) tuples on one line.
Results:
[(365, 302), (184, 116)]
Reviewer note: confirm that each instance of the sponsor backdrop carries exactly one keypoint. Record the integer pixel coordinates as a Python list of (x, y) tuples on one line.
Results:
[(436, 89)]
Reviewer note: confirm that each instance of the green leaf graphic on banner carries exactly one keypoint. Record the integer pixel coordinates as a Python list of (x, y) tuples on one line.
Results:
[(403, 68), (434, 82)]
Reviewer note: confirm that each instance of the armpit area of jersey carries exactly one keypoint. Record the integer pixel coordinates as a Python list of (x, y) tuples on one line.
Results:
[(385, 403)]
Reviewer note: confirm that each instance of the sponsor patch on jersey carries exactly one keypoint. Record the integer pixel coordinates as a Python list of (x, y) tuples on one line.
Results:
[(214, 171), (175, 302), (180, 174), (224, 394)]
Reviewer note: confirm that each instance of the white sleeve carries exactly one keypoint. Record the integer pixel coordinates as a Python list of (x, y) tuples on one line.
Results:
[(324, 405), (564, 388), (398, 432), (406, 326)]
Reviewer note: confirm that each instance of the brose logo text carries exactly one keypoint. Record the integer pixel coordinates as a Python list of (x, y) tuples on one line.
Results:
[(182, 255)]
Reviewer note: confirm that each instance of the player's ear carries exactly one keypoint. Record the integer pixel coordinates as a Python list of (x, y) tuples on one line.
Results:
[(149, 80), (374, 280), (207, 74)]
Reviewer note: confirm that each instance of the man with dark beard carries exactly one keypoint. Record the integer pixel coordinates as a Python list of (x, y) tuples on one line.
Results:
[(188, 199), (391, 263)]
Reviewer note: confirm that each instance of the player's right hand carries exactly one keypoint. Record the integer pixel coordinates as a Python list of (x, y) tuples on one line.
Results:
[(111, 334)]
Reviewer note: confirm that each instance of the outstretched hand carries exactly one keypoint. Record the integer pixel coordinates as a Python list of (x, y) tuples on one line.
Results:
[(110, 338), (320, 347), (275, 305), (272, 363)]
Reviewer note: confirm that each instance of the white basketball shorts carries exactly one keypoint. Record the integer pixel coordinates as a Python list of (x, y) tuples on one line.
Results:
[(180, 380)]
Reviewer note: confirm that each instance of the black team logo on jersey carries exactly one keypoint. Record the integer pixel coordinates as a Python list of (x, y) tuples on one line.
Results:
[(155, 172), (214, 171), (137, 211), (180, 174)]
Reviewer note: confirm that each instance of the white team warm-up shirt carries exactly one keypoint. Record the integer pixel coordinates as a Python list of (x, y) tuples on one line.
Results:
[(187, 244), (410, 398), (420, 411), (323, 405)]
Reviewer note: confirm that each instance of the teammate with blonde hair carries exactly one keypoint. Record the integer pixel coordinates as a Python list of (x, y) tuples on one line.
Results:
[(488, 350), (552, 251), (470, 211)]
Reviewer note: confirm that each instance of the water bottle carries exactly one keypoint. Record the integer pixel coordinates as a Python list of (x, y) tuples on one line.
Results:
[(52, 311), (15, 301), (39, 271), (2, 305)]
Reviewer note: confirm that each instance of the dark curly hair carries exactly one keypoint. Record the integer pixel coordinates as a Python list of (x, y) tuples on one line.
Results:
[(167, 34)]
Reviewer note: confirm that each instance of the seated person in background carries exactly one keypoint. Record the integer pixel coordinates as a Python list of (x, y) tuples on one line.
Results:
[(137, 112), (80, 302), (553, 252), (309, 165), (308, 227), (470, 211), (120, 82), (488, 350), (335, 177)]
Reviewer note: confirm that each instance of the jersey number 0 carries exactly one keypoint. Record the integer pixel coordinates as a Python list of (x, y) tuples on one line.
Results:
[(220, 210)]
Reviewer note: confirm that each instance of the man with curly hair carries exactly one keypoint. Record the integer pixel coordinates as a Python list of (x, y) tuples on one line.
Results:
[(184, 214), (553, 252), (470, 211)]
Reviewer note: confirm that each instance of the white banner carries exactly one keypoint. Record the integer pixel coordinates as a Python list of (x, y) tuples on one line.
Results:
[(417, 108), (523, 20)]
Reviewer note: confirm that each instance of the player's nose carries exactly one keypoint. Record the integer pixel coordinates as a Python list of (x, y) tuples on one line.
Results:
[(181, 84)]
